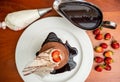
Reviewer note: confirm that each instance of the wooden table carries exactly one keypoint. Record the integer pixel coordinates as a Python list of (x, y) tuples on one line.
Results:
[(9, 38)]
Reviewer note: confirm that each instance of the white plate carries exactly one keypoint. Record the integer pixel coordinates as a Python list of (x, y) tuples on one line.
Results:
[(32, 38)]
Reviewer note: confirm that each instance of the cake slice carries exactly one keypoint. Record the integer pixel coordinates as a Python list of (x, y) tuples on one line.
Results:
[(53, 55)]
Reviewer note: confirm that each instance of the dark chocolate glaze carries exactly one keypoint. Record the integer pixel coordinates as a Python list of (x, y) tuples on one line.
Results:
[(52, 37), (82, 14)]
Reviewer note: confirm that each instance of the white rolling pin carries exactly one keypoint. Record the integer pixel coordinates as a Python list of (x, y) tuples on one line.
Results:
[(21, 19)]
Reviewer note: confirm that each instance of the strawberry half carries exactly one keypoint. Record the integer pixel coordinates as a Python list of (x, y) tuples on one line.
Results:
[(56, 56)]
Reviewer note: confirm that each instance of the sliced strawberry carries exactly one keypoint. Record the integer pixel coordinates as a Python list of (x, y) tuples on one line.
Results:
[(56, 56)]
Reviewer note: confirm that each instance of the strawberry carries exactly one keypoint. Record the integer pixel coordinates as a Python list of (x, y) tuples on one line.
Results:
[(104, 45), (115, 44), (107, 36), (107, 67), (56, 56), (98, 59), (99, 37), (98, 49), (96, 31), (108, 60), (108, 53), (99, 68)]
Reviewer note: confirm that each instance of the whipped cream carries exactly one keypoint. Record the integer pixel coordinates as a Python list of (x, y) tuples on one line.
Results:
[(42, 65)]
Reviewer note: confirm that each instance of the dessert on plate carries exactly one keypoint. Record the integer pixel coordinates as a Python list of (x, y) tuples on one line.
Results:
[(54, 57)]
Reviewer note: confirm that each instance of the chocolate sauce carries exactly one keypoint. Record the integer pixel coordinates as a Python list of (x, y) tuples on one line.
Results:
[(52, 37), (82, 14)]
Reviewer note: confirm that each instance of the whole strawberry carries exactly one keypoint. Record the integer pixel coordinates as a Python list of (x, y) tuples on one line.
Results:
[(108, 60), (107, 36), (99, 68), (108, 53), (107, 67), (96, 31), (115, 44), (98, 59), (104, 45), (99, 37), (98, 49)]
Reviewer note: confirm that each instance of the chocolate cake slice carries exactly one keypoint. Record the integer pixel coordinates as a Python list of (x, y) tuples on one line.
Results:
[(67, 64)]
